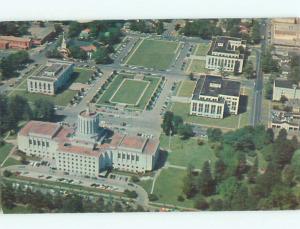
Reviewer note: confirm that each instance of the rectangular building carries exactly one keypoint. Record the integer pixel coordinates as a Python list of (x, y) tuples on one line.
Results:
[(226, 53), (214, 97), (285, 32), (50, 77), (15, 42), (285, 88)]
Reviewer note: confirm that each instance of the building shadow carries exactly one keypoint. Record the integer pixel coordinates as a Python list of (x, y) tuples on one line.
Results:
[(161, 160), (243, 103)]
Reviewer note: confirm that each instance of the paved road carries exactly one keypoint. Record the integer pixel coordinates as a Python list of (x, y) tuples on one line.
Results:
[(35, 172), (256, 109)]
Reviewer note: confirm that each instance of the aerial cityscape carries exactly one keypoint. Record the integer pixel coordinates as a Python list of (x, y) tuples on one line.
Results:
[(149, 115)]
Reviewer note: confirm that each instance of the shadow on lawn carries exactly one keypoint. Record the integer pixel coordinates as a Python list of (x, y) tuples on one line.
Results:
[(162, 158)]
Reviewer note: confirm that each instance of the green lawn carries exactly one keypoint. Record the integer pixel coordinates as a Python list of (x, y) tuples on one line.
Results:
[(185, 152), (113, 86), (61, 99), (182, 109), (202, 49), (146, 184), (156, 54), (20, 209), (81, 75), (245, 116), (11, 161), (168, 187), (4, 151), (198, 66), (186, 89), (129, 92)]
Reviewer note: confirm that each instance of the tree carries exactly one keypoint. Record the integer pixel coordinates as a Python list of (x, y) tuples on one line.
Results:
[(268, 63), (214, 134), (78, 53), (186, 131), (43, 110), (288, 175), (216, 204), (101, 56), (253, 171), (206, 184), (153, 197), (201, 203), (159, 27), (248, 69), (74, 29), (269, 136), (189, 183), (220, 169), (255, 32), (167, 124), (241, 166)]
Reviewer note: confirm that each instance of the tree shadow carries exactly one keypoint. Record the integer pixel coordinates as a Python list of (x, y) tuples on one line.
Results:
[(58, 118)]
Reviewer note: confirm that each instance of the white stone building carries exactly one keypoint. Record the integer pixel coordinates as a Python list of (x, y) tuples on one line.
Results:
[(226, 53), (214, 97), (50, 77), (88, 149), (285, 88)]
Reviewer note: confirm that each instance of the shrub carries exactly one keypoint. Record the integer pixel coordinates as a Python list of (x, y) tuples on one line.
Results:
[(135, 179), (153, 197), (180, 198)]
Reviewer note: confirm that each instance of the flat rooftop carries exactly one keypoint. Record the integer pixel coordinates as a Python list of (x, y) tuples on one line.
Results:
[(223, 44), (51, 71), (210, 85), (47, 129), (286, 84)]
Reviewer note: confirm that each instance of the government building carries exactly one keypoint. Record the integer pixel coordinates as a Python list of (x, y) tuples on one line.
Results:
[(285, 88), (88, 149), (215, 97), (226, 53), (50, 77)]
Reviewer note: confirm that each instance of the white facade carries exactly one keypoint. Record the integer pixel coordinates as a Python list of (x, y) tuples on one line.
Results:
[(285, 88), (213, 97), (224, 54), (82, 152), (51, 77)]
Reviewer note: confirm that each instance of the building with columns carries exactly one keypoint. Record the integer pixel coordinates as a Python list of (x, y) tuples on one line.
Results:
[(88, 149), (215, 97), (51, 77), (226, 53)]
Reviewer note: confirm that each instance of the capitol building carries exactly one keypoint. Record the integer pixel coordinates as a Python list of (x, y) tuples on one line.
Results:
[(88, 149)]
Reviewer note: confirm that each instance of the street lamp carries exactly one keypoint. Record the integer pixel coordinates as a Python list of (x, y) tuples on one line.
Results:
[(170, 134)]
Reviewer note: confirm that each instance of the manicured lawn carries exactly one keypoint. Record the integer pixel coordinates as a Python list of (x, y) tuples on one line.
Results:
[(11, 161), (61, 99), (81, 75), (202, 49), (198, 66), (146, 184), (156, 54), (4, 151), (126, 92), (186, 88), (182, 109), (130, 91), (168, 187), (185, 152)]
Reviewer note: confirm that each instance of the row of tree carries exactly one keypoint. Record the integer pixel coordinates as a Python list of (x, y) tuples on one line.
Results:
[(237, 181), (14, 28), (39, 202), (16, 108), (147, 26)]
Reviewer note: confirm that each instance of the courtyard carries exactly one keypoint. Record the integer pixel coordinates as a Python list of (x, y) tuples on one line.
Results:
[(126, 90)]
